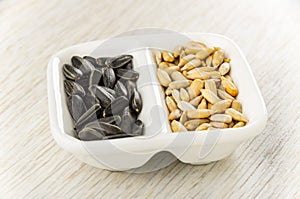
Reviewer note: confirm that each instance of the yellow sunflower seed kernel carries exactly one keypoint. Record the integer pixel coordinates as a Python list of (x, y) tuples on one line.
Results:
[(239, 124), (192, 49), (224, 95), (228, 77), (177, 51), (208, 61), (171, 69), (168, 91), (184, 96), (218, 58), (195, 88), (163, 77), (177, 126), (214, 75), (191, 65), (221, 118), (219, 125), (196, 101), (203, 104), (179, 84), (184, 60), (183, 117), (207, 69), (210, 84), (203, 127), (237, 106), (175, 75), (199, 113), (210, 96), (176, 95), (174, 114), (157, 55), (167, 56), (193, 124), (221, 106), (197, 73), (224, 68), (171, 104), (185, 106), (236, 115), (163, 65), (229, 87), (203, 53)]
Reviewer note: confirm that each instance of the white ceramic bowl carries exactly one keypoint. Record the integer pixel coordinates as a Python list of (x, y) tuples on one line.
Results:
[(188, 147)]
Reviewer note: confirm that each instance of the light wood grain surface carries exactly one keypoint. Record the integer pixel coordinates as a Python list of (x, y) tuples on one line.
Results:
[(33, 166)]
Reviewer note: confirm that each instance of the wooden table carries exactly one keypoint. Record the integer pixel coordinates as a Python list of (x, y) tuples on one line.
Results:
[(33, 166)]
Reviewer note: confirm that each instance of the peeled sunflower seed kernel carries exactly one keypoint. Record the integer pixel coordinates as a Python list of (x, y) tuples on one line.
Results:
[(184, 95), (218, 58), (185, 106), (168, 91), (158, 57), (177, 51), (195, 88), (221, 106), (184, 60), (239, 124), (229, 87), (167, 56), (224, 95), (183, 117), (199, 113), (175, 75), (197, 73), (193, 124), (208, 61), (224, 68), (163, 77), (163, 65), (203, 104), (210, 96), (203, 127), (171, 69), (171, 104), (176, 95), (174, 114), (177, 126), (179, 84), (210, 84), (220, 125), (196, 101), (237, 106), (191, 65), (221, 118), (236, 115)]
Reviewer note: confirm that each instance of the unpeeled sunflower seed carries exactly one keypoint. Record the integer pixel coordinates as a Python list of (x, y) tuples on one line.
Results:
[(119, 61), (71, 72), (109, 77), (72, 88), (135, 102), (127, 74)]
